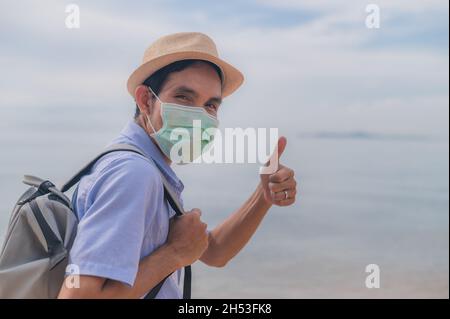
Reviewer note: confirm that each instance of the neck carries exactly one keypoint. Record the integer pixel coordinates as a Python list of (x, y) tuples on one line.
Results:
[(149, 132)]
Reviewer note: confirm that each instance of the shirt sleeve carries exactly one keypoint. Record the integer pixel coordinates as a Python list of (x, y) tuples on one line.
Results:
[(111, 232)]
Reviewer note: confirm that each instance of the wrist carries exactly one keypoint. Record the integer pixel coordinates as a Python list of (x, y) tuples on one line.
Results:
[(173, 254), (260, 198)]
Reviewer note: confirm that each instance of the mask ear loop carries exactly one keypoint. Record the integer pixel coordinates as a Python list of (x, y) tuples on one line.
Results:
[(148, 117), (153, 92)]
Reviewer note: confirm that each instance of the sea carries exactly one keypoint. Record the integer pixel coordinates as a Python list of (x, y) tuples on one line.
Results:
[(364, 198)]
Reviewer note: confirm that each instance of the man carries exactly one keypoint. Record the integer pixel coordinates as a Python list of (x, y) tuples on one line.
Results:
[(127, 241)]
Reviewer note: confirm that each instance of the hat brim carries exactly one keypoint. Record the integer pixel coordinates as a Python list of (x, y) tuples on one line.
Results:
[(232, 78)]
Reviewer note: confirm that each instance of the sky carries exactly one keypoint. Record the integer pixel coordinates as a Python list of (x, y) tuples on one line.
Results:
[(309, 66)]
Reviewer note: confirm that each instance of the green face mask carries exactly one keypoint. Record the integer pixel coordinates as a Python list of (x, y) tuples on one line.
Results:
[(186, 133)]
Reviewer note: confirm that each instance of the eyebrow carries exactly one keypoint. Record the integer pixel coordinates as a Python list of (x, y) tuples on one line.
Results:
[(186, 90), (189, 91)]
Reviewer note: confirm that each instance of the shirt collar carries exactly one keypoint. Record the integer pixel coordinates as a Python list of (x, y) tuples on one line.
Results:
[(137, 136)]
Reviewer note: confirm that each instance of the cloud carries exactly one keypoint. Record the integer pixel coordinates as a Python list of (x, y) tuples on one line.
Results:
[(309, 65)]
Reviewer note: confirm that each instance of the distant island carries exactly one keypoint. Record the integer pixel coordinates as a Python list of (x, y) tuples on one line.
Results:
[(362, 135)]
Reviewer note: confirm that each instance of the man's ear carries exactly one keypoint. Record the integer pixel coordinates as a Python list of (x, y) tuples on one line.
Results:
[(143, 97)]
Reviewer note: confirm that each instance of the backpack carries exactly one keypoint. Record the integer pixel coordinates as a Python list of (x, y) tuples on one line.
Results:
[(41, 231)]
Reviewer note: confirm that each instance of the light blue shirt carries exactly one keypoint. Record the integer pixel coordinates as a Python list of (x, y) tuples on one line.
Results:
[(123, 215)]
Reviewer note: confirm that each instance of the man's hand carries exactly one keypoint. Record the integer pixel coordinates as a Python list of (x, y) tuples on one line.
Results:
[(229, 237), (280, 187), (188, 237)]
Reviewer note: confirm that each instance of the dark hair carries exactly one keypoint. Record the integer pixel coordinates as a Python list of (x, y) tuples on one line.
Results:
[(157, 79)]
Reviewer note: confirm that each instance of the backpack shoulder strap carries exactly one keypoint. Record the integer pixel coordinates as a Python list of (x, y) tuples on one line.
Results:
[(170, 195), (87, 168)]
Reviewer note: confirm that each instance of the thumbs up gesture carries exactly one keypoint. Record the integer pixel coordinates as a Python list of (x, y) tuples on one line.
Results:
[(278, 181)]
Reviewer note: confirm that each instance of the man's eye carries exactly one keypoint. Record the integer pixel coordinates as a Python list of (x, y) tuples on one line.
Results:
[(182, 97), (212, 107)]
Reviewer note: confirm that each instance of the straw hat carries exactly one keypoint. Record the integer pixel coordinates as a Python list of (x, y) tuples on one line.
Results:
[(184, 46)]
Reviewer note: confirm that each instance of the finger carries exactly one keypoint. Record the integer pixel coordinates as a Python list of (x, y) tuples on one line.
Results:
[(196, 211), (283, 195), (204, 226), (282, 175), (279, 187), (285, 202)]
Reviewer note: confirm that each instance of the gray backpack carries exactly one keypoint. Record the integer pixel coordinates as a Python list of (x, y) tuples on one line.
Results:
[(41, 232)]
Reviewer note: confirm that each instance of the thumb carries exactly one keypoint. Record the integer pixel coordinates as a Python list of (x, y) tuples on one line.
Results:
[(278, 151), (282, 142), (272, 166)]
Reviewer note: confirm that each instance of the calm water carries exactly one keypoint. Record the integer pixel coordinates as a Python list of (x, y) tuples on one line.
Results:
[(363, 201)]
